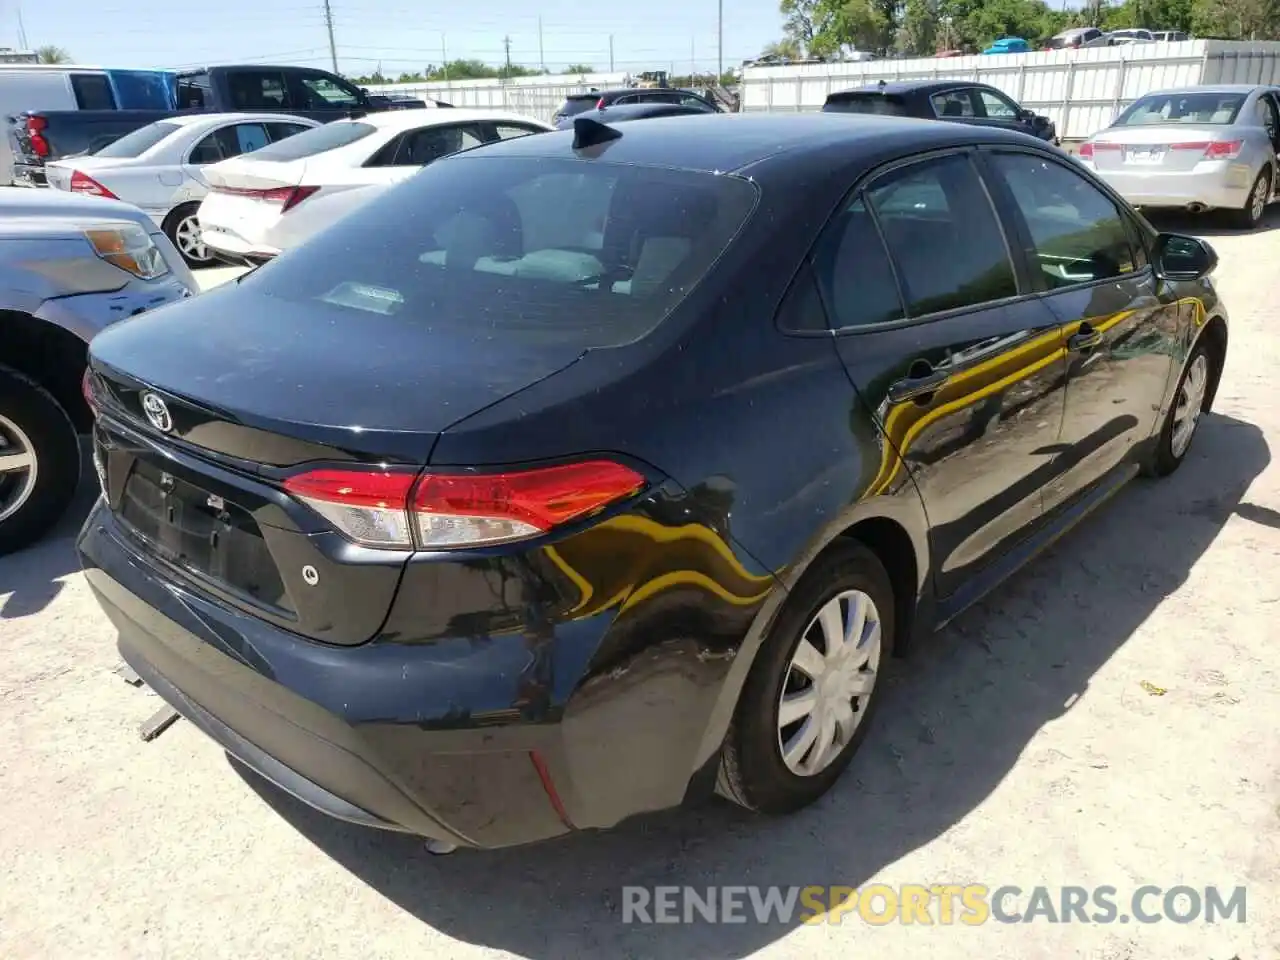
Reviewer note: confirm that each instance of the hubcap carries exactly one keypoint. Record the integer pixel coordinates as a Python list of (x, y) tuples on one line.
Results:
[(17, 468), (1258, 201), (829, 683), (190, 241), (1190, 399)]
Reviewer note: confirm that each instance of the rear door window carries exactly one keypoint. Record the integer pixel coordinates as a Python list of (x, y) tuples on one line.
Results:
[(955, 103), (318, 91), (93, 91), (576, 105), (257, 89), (194, 91), (317, 140), (1078, 232), (592, 253), (420, 147), (282, 131), (854, 272), (227, 142), (943, 235), (509, 131)]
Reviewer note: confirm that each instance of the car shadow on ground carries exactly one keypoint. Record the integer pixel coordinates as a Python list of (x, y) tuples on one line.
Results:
[(1216, 223), (32, 578), (956, 717)]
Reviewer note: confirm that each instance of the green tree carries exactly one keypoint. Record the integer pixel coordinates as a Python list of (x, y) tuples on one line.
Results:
[(918, 34), (1237, 19), (52, 54), (788, 48), (579, 68)]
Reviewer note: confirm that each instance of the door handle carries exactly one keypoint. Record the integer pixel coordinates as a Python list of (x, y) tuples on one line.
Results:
[(917, 387), (1086, 338)]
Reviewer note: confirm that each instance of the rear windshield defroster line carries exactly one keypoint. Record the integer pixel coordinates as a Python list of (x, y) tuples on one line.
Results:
[(534, 249)]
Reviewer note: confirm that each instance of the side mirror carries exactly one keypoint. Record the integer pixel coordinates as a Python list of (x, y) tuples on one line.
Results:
[(1179, 257), (1028, 115)]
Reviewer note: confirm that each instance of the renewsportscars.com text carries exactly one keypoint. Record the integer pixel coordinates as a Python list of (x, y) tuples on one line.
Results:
[(933, 904)]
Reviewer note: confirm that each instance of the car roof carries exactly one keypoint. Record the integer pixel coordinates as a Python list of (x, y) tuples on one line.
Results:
[(1211, 88), (729, 142), (624, 91), (187, 119), (626, 111), (412, 119), (899, 87)]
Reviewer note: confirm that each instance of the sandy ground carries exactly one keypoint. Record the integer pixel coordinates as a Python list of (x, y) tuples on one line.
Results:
[(1107, 718)]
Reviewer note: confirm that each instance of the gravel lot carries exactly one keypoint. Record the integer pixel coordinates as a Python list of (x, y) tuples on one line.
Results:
[(1102, 719)]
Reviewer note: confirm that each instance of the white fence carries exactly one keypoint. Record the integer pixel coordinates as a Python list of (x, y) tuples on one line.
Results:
[(1080, 90), (532, 96)]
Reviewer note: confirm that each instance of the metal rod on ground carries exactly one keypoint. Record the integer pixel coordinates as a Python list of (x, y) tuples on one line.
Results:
[(158, 723), (328, 25)]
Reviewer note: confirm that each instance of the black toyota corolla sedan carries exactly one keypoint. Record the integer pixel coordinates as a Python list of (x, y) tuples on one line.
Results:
[(584, 474)]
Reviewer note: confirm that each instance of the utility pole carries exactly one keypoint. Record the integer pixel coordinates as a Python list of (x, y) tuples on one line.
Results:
[(542, 57), (22, 32), (692, 61), (506, 44), (444, 59), (328, 25), (719, 41), (611, 53)]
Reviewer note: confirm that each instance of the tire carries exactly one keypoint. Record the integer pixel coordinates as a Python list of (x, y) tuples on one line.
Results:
[(1250, 215), (753, 771), (173, 229), (1171, 449), (31, 421)]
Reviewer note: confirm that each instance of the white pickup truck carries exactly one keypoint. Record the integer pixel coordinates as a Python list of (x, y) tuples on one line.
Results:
[(69, 266)]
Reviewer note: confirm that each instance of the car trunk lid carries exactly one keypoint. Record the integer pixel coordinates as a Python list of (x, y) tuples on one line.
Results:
[(1161, 148), (203, 422), (246, 196)]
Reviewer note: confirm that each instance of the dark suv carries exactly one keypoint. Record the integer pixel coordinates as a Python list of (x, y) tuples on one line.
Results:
[(577, 103), (961, 102)]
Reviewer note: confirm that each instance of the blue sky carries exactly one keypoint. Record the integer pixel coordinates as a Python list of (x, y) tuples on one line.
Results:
[(401, 34)]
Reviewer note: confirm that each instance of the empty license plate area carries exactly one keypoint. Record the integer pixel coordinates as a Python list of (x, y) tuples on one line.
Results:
[(1144, 155), (202, 533)]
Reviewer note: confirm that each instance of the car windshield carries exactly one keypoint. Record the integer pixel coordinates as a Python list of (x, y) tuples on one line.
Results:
[(877, 103), (139, 142), (583, 251), (1192, 107), (314, 141)]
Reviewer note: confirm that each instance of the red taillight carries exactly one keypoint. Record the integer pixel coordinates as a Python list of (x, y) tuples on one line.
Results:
[(83, 183), (35, 136), (383, 508), (600, 104), (287, 197), (1216, 150), (1086, 150)]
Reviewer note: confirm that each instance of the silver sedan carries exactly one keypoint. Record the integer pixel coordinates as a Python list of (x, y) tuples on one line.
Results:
[(160, 167), (1199, 148)]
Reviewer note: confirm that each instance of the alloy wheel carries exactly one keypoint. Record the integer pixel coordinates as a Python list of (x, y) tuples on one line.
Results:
[(189, 239), (18, 468), (1186, 415), (1258, 199), (829, 682)]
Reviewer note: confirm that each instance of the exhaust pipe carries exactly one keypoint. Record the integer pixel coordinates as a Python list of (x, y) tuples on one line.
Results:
[(1196, 207)]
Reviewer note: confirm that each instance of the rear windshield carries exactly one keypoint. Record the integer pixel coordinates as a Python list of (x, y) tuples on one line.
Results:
[(584, 251), (877, 103), (1184, 107), (139, 142), (575, 105), (317, 140)]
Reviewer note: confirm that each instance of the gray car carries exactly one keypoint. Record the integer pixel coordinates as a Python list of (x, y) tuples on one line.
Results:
[(69, 266), (1197, 149)]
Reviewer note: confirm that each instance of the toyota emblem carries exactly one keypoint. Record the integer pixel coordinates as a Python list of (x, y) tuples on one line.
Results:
[(157, 412)]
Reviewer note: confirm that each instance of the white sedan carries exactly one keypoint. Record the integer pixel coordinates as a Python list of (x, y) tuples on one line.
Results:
[(262, 204), (161, 167)]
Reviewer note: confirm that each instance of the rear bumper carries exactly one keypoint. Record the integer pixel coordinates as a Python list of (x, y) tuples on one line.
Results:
[(1226, 187), (406, 736), (29, 175), (236, 248)]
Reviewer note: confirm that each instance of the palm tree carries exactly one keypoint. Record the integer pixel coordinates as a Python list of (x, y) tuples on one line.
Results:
[(52, 54)]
